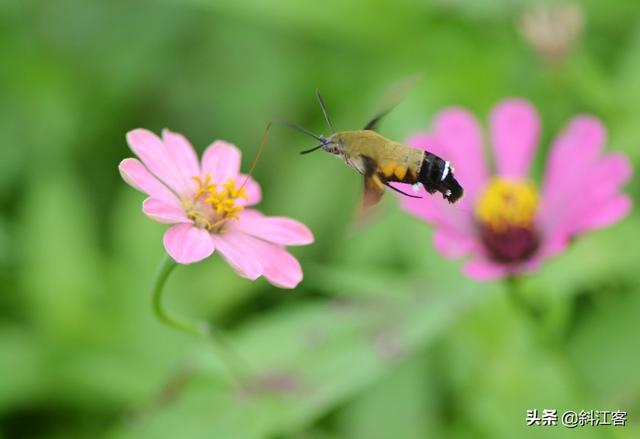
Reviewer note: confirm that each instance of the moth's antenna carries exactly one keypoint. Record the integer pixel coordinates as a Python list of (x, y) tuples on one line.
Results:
[(299, 128), (263, 142), (307, 151), (324, 111)]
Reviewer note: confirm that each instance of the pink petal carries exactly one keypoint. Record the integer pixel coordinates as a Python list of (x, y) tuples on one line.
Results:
[(427, 208), (156, 158), (136, 175), (421, 141), (187, 244), (221, 160), (252, 188), (610, 173), (163, 212), (515, 127), (531, 266), (279, 267), (457, 219), (278, 230), (577, 178), (184, 157), (598, 186), (452, 244), (604, 214), (434, 209), (252, 213), (238, 251), (554, 242), (483, 269), (570, 160), (458, 139)]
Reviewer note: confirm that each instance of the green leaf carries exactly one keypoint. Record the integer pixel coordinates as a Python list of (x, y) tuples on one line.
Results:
[(320, 354)]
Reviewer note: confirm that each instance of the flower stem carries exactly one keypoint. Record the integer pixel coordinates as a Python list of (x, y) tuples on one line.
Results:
[(547, 339), (514, 285), (228, 356), (166, 268)]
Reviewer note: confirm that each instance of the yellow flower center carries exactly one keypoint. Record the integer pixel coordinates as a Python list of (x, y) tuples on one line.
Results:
[(505, 213), (213, 203), (507, 203)]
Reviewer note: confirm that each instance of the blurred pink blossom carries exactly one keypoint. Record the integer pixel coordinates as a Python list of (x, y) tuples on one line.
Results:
[(208, 203), (504, 224), (552, 30)]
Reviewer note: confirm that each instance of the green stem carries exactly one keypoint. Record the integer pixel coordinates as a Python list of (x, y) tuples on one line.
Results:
[(532, 312), (166, 268), (547, 339), (229, 357), (517, 296)]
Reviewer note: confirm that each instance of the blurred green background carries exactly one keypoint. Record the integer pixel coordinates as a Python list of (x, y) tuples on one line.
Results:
[(384, 338)]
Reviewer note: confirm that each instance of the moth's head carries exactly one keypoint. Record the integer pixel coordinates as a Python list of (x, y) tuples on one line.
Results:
[(329, 144), (334, 144), (332, 148)]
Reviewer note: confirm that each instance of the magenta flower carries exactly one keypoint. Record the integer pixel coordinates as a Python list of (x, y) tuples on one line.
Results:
[(208, 205), (504, 224)]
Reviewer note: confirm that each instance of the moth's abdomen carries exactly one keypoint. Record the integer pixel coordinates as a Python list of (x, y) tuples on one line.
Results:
[(400, 163), (399, 171), (436, 175)]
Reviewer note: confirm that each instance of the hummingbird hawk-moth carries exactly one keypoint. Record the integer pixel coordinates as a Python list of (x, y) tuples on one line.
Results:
[(382, 161)]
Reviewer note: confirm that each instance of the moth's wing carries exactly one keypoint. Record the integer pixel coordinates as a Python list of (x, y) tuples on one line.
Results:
[(373, 183), (373, 123), (392, 97), (373, 191)]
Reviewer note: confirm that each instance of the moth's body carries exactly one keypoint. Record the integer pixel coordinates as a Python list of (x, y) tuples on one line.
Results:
[(397, 162), (382, 161)]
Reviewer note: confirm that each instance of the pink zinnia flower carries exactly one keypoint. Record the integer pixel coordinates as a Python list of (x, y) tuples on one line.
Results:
[(207, 203), (504, 224)]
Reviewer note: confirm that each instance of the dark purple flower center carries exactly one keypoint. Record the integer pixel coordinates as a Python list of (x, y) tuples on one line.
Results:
[(505, 214), (512, 245)]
